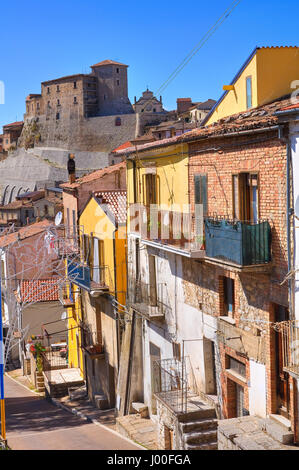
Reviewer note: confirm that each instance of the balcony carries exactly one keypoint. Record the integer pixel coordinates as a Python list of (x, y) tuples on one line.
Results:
[(289, 331), (66, 297), (241, 244), (168, 230), (95, 351), (94, 279), (150, 301)]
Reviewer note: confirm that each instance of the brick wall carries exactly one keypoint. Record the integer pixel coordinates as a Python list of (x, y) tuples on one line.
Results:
[(254, 293)]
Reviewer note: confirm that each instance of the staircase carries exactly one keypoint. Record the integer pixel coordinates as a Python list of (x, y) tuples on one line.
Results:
[(199, 430)]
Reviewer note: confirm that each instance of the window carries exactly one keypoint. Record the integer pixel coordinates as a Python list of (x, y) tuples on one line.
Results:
[(58, 102), (118, 121), (248, 92), (201, 192), (104, 97), (117, 70), (152, 280), (46, 210), (57, 89), (246, 197), (176, 350), (37, 105), (48, 90), (75, 100), (154, 110), (228, 296), (150, 189), (57, 116), (236, 366), (49, 104), (117, 81), (75, 84)]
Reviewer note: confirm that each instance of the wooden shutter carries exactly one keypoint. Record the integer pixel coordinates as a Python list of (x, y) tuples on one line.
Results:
[(201, 191)]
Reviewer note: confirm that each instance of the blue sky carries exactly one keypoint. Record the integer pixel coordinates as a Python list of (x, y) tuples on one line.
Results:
[(45, 40)]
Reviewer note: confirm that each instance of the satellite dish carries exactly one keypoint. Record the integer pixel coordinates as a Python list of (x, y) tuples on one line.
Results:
[(63, 316), (58, 218)]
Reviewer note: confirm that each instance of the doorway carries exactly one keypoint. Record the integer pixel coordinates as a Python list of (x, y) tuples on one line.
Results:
[(282, 377), (155, 355)]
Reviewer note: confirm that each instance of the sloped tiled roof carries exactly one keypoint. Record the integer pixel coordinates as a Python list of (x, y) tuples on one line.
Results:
[(24, 232), (108, 62), (14, 124), (255, 118), (115, 202), (94, 176), (43, 290), (125, 145)]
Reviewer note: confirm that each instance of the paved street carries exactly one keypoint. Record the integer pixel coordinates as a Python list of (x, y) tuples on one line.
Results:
[(34, 424)]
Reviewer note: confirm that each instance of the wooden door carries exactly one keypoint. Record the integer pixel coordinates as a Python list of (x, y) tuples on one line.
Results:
[(282, 377), (155, 355)]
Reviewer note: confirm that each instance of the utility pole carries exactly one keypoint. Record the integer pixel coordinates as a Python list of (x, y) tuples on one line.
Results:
[(3, 430)]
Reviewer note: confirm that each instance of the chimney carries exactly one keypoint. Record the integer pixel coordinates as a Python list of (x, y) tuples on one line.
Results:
[(183, 104)]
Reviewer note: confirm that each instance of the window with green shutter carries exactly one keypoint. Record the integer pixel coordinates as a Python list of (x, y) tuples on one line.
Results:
[(201, 191)]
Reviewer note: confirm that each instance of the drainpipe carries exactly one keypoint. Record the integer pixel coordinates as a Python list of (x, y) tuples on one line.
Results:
[(290, 211), (115, 295)]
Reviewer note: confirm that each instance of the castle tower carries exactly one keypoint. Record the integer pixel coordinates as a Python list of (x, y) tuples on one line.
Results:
[(112, 88)]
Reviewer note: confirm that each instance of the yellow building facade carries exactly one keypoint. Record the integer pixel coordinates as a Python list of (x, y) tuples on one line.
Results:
[(268, 74), (100, 294)]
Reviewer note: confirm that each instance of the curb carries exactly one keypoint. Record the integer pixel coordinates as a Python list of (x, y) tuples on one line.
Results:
[(93, 421), (77, 413), (24, 386)]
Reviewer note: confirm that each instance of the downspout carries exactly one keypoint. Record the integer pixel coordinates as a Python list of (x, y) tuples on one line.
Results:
[(289, 213), (115, 296)]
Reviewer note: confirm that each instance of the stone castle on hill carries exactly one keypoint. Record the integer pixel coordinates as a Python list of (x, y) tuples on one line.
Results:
[(87, 114)]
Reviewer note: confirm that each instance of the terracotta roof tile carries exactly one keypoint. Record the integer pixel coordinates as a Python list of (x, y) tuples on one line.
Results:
[(108, 62), (94, 175), (43, 290), (23, 233), (116, 203)]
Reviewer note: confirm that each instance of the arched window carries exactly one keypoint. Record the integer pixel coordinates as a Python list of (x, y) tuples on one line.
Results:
[(118, 121)]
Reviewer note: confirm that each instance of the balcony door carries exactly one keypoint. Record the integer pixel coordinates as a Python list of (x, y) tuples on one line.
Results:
[(97, 260), (282, 377), (245, 197)]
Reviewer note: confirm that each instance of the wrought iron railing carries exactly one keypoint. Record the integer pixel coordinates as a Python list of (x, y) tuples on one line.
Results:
[(170, 383), (243, 243), (168, 227), (289, 331), (154, 297)]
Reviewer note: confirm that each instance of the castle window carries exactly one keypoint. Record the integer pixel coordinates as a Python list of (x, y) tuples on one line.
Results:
[(117, 70), (75, 100), (117, 81), (58, 102), (142, 110), (58, 88), (48, 90), (154, 110), (75, 84), (37, 105), (57, 115), (49, 104), (118, 121)]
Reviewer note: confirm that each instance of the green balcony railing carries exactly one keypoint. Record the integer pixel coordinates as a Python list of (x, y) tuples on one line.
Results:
[(242, 243)]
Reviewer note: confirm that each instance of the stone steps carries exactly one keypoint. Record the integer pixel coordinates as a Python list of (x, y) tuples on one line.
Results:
[(278, 430), (200, 437), (197, 415), (205, 446), (202, 424)]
